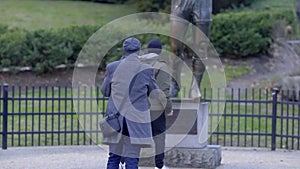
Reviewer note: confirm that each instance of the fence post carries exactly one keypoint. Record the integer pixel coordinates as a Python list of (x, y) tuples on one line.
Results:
[(274, 117), (5, 118)]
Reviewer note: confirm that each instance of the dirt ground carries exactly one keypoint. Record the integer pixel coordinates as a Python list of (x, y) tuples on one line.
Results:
[(61, 77), (267, 70)]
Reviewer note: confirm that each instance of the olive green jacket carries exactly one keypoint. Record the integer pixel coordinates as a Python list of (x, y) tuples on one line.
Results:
[(162, 76)]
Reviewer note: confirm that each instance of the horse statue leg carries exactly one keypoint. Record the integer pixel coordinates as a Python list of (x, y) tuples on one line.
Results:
[(179, 29), (202, 18), (297, 6), (201, 11)]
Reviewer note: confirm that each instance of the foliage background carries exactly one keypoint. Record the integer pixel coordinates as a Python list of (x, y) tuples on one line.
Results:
[(235, 33)]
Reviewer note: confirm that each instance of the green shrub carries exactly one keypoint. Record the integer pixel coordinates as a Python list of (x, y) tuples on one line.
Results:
[(49, 48), (43, 50), (246, 33), (236, 34), (153, 5), (12, 46), (3, 29), (218, 5)]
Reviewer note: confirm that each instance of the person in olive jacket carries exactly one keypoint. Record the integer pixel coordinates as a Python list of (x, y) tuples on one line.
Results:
[(162, 107)]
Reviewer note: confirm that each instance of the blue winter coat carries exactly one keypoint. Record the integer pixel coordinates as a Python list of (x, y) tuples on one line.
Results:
[(128, 83)]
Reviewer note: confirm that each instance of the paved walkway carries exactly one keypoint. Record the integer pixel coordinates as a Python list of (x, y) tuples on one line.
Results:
[(94, 157)]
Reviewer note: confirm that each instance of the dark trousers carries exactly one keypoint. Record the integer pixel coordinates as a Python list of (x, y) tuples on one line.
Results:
[(158, 125), (125, 150)]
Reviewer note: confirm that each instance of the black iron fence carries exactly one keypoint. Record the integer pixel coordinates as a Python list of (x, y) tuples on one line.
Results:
[(45, 116), (256, 118)]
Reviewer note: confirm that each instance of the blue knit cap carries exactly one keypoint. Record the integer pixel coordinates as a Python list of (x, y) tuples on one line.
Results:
[(154, 46), (131, 45)]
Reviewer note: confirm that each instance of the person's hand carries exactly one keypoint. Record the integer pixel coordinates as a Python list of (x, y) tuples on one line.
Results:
[(170, 113)]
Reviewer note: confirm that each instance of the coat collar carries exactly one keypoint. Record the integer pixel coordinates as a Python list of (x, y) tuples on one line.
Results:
[(133, 56)]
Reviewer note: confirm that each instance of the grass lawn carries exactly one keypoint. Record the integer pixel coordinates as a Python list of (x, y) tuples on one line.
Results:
[(273, 4), (35, 14)]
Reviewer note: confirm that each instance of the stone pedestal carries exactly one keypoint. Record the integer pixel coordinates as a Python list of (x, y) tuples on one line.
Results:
[(186, 138), (208, 157)]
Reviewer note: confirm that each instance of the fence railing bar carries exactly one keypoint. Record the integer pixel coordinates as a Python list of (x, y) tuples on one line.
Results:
[(285, 117), (44, 113), (19, 119), (298, 141), (259, 113), (231, 119), (84, 110), (13, 117), (218, 110), (288, 102), (50, 132), (65, 115), (281, 123), (59, 99), (241, 115), (90, 116), (293, 124), (26, 111), (240, 133), (46, 116), (267, 119), (274, 118), (211, 119), (32, 116), (252, 119), (225, 124), (237, 101), (287, 124), (52, 115), (246, 112), (78, 109), (289, 136), (5, 117), (39, 115), (59, 116), (239, 112)]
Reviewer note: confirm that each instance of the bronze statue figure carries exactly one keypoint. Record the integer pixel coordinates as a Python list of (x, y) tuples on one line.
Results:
[(199, 13), (297, 5)]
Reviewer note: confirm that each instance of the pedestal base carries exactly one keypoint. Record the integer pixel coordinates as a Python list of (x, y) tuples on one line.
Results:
[(208, 157)]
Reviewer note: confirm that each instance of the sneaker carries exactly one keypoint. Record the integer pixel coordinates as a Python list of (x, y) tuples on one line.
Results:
[(122, 166), (164, 167)]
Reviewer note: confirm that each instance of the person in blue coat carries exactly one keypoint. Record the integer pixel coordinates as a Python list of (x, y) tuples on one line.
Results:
[(128, 83)]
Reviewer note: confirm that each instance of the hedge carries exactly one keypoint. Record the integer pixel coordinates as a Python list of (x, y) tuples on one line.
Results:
[(43, 50), (246, 33), (232, 34)]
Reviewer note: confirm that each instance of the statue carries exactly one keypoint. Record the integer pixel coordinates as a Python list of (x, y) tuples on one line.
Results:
[(199, 13), (297, 6)]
